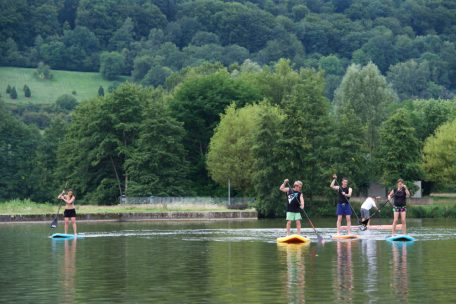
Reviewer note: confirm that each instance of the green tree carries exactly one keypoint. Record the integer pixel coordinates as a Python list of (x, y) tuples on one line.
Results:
[(27, 91), (197, 103), (8, 89), (230, 153), (268, 164), (111, 65), (43, 71), (439, 156), (365, 91), (18, 143), (13, 93), (123, 37), (399, 153), (157, 165), (99, 140), (66, 102), (101, 91)]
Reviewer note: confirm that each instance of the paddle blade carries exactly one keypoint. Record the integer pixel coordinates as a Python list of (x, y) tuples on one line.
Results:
[(362, 228), (365, 222), (320, 239), (54, 223)]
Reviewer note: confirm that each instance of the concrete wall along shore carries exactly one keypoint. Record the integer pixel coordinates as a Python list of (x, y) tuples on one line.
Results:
[(125, 217)]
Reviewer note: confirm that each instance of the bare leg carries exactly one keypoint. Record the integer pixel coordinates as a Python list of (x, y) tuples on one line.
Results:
[(66, 225), (288, 227), (404, 224), (73, 220), (298, 226), (396, 215), (348, 219), (339, 221)]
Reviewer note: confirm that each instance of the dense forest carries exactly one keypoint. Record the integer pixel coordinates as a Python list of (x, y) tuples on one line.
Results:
[(251, 91), (411, 42)]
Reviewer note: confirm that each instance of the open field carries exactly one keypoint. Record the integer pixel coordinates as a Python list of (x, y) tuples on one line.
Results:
[(85, 84), (27, 207)]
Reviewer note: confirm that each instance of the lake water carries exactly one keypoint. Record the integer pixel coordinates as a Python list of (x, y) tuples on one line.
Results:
[(224, 262)]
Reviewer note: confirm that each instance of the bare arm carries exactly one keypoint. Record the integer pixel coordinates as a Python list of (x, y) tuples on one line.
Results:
[(283, 187), (349, 194), (69, 201), (407, 192), (390, 195), (302, 201), (332, 186)]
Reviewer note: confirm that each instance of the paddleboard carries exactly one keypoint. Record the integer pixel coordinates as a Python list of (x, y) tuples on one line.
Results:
[(401, 238), (375, 227), (63, 236), (293, 239), (345, 236)]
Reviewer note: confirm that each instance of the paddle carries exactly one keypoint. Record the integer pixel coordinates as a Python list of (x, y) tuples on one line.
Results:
[(363, 227), (319, 237), (366, 221), (54, 221)]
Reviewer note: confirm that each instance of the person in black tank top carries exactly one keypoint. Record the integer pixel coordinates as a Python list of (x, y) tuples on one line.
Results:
[(295, 202), (399, 194), (343, 202)]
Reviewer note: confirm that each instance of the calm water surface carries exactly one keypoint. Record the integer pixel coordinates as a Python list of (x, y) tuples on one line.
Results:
[(224, 262)]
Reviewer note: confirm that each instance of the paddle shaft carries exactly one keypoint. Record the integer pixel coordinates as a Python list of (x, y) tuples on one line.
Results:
[(308, 218)]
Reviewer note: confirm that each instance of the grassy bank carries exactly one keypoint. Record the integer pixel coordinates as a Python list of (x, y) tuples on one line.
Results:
[(446, 210), (85, 85), (27, 207)]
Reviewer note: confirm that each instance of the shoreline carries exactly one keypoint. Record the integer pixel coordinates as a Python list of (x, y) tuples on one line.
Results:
[(138, 216)]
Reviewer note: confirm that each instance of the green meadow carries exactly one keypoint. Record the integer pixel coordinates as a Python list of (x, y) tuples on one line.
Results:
[(85, 84)]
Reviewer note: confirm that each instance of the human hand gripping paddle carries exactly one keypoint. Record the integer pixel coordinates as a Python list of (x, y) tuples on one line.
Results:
[(319, 237)]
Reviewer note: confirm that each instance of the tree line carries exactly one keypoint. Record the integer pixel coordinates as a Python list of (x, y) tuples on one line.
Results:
[(411, 42), (253, 125)]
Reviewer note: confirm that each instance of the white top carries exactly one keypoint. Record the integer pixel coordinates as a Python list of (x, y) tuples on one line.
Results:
[(368, 204)]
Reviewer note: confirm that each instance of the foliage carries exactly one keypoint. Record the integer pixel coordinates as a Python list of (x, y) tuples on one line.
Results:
[(43, 71), (101, 91), (365, 91), (27, 91), (230, 153), (66, 102), (111, 65), (13, 93), (439, 155), (399, 153)]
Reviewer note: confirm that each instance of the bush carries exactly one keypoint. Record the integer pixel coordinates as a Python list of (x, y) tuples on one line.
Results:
[(100, 91), (8, 89), (27, 91), (43, 71), (66, 102), (13, 93)]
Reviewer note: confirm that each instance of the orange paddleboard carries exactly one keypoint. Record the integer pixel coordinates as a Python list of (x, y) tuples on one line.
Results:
[(375, 227)]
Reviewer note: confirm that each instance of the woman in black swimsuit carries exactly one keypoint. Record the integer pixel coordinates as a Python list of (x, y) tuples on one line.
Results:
[(400, 195)]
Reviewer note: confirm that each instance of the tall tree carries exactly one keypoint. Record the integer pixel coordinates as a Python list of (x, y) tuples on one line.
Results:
[(399, 154), (157, 165), (198, 102), (366, 91)]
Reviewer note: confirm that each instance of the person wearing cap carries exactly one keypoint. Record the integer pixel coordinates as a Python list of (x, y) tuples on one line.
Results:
[(295, 202), (400, 194)]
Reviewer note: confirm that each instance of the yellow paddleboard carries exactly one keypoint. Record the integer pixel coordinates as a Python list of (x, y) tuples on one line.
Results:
[(293, 239), (345, 236)]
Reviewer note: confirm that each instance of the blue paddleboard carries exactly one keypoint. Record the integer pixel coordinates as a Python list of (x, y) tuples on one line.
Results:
[(401, 238), (63, 236)]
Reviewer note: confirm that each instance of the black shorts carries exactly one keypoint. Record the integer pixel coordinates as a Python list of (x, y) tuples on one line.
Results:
[(69, 213)]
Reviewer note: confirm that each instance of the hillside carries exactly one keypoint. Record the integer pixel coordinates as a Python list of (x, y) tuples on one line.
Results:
[(85, 84)]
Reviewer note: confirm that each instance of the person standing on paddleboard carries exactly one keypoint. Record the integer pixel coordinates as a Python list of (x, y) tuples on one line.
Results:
[(70, 211), (367, 205), (295, 201), (400, 195), (343, 202)]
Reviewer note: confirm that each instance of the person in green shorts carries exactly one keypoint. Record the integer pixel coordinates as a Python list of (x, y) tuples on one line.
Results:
[(295, 202)]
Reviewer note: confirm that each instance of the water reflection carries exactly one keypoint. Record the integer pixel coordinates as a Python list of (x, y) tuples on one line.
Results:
[(369, 250), (399, 272), (69, 271), (295, 282), (344, 271)]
